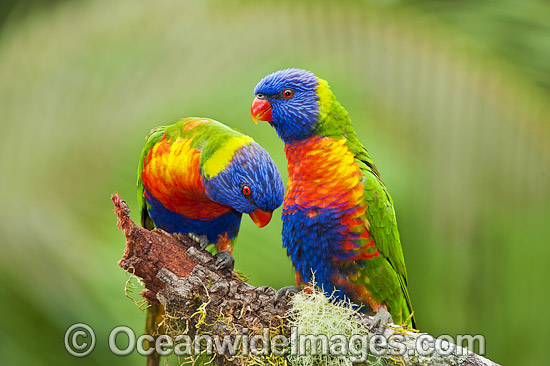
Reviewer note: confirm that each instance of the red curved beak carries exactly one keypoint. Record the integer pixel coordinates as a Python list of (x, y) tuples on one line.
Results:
[(261, 110), (260, 218)]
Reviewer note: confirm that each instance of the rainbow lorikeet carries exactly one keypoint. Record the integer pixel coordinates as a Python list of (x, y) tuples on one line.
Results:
[(198, 177), (338, 219)]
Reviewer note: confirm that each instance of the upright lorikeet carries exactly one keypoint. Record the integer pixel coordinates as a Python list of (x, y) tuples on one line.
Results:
[(338, 218), (198, 177)]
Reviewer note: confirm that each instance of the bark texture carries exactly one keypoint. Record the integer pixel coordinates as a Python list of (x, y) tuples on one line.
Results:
[(199, 299)]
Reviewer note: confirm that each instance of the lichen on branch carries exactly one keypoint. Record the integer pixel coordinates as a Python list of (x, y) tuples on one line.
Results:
[(201, 300)]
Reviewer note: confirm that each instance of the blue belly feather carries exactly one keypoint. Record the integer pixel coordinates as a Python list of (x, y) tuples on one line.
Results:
[(174, 222)]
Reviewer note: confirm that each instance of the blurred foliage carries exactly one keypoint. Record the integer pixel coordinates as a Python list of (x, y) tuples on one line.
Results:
[(450, 98)]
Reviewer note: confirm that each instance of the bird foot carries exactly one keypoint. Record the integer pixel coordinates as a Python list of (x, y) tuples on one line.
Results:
[(202, 240), (381, 318), (224, 260), (287, 292)]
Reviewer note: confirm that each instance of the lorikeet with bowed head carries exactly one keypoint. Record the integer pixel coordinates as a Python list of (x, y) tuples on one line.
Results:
[(198, 177), (338, 218)]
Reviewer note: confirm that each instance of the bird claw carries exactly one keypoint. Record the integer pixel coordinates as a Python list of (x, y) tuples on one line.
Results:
[(287, 292), (381, 318), (224, 260), (202, 240)]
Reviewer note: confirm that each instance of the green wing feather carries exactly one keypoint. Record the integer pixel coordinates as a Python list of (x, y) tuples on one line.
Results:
[(383, 224), (387, 273), (206, 135), (153, 138)]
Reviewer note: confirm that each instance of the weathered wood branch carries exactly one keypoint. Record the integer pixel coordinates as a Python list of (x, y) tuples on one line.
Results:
[(199, 299)]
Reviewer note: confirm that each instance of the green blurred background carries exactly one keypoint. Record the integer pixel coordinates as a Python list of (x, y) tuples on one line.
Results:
[(451, 99)]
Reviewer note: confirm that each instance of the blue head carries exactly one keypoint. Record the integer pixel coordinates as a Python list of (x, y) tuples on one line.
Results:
[(289, 100), (250, 183)]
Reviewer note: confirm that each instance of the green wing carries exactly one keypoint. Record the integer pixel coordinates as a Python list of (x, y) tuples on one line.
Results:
[(383, 224), (381, 215), (207, 136), (153, 138), (387, 274)]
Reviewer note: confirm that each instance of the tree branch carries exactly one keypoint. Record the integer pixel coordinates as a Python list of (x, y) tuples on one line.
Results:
[(203, 300)]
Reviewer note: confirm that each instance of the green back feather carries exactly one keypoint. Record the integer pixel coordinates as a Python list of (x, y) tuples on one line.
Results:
[(335, 122), (209, 138)]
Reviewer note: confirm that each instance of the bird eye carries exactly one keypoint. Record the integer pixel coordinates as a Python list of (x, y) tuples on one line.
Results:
[(246, 190), (288, 93)]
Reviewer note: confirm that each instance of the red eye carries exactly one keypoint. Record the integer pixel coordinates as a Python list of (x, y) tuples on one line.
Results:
[(288, 93), (246, 190)]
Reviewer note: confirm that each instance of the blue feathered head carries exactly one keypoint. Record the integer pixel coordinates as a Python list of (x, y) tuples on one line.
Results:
[(288, 99), (250, 183)]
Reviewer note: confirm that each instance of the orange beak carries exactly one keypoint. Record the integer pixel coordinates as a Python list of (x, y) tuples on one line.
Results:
[(261, 110), (260, 218)]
